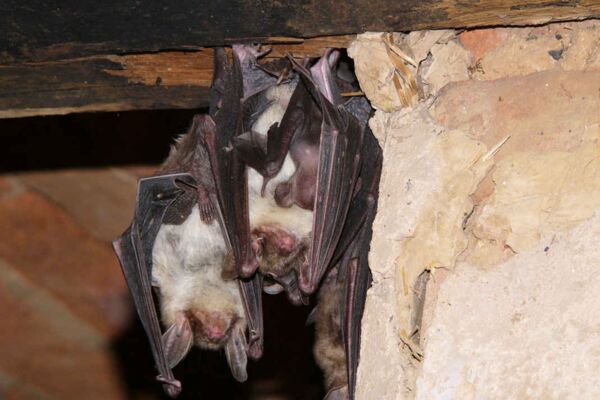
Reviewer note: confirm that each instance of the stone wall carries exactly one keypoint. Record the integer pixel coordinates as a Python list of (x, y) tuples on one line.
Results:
[(485, 243)]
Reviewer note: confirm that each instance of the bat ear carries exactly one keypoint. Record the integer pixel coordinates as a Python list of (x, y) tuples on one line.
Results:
[(235, 351), (177, 340), (339, 393)]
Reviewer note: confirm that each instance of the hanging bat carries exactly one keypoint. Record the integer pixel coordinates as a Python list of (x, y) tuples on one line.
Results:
[(319, 173), (191, 221), (338, 163)]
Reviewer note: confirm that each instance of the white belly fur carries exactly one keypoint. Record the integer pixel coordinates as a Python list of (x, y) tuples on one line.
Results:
[(188, 261), (188, 258), (264, 210)]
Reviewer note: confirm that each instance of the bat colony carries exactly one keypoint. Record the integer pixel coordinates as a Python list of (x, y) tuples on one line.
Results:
[(273, 190)]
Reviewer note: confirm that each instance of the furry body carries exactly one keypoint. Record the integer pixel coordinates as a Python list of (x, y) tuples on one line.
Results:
[(264, 209), (189, 259)]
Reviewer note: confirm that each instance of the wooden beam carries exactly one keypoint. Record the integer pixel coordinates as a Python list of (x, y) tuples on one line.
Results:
[(119, 83), (38, 30), (110, 83)]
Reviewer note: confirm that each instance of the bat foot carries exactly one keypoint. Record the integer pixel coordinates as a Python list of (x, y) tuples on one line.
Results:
[(172, 387)]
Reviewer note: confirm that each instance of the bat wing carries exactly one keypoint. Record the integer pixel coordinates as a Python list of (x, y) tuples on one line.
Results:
[(267, 156), (134, 250), (339, 161), (354, 267), (346, 195), (229, 172), (251, 291)]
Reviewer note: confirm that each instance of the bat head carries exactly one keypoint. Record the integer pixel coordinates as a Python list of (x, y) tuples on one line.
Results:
[(199, 307)]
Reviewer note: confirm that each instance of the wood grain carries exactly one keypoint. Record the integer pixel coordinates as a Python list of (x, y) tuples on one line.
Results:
[(37, 30), (79, 57), (164, 80)]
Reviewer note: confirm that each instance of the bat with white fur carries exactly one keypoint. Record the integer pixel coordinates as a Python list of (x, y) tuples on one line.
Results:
[(276, 187)]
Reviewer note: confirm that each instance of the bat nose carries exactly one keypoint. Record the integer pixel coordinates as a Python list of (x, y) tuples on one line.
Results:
[(213, 327), (214, 333)]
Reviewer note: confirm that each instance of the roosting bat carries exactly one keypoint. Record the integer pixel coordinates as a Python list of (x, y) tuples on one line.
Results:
[(275, 189)]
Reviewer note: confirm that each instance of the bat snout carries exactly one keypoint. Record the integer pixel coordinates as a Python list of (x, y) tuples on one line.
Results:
[(213, 333), (211, 328)]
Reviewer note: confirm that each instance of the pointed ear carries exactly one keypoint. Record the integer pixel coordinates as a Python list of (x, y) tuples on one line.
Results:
[(177, 340), (235, 351)]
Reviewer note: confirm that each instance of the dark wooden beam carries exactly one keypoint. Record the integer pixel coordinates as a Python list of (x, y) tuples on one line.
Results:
[(110, 83), (118, 83), (39, 30), (80, 55)]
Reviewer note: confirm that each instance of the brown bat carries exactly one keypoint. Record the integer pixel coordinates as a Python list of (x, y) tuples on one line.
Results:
[(338, 163), (303, 210)]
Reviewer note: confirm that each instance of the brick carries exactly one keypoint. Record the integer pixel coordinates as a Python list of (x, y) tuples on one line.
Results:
[(10, 186), (535, 110), (5, 185), (479, 41)]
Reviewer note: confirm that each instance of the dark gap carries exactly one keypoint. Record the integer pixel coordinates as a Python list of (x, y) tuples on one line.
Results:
[(90, 140)]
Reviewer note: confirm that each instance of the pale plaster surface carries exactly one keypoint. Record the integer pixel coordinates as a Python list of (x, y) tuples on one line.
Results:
[(491, 182), (528, 329)]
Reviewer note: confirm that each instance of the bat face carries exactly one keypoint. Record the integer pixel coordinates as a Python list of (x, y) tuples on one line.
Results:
[(280, 234)]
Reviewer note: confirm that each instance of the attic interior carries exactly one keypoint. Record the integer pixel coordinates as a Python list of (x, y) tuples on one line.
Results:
[(488, 115)]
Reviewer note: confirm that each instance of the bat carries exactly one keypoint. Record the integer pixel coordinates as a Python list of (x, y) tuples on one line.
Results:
[(275, 189), (338, 163), (188, 226), (339, 182)]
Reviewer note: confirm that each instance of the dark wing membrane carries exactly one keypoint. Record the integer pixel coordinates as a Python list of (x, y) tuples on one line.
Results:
[(134, 250), (354, 268), (251, 291), (339, 161), (231, 185), (228, 169), (365, 194)]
